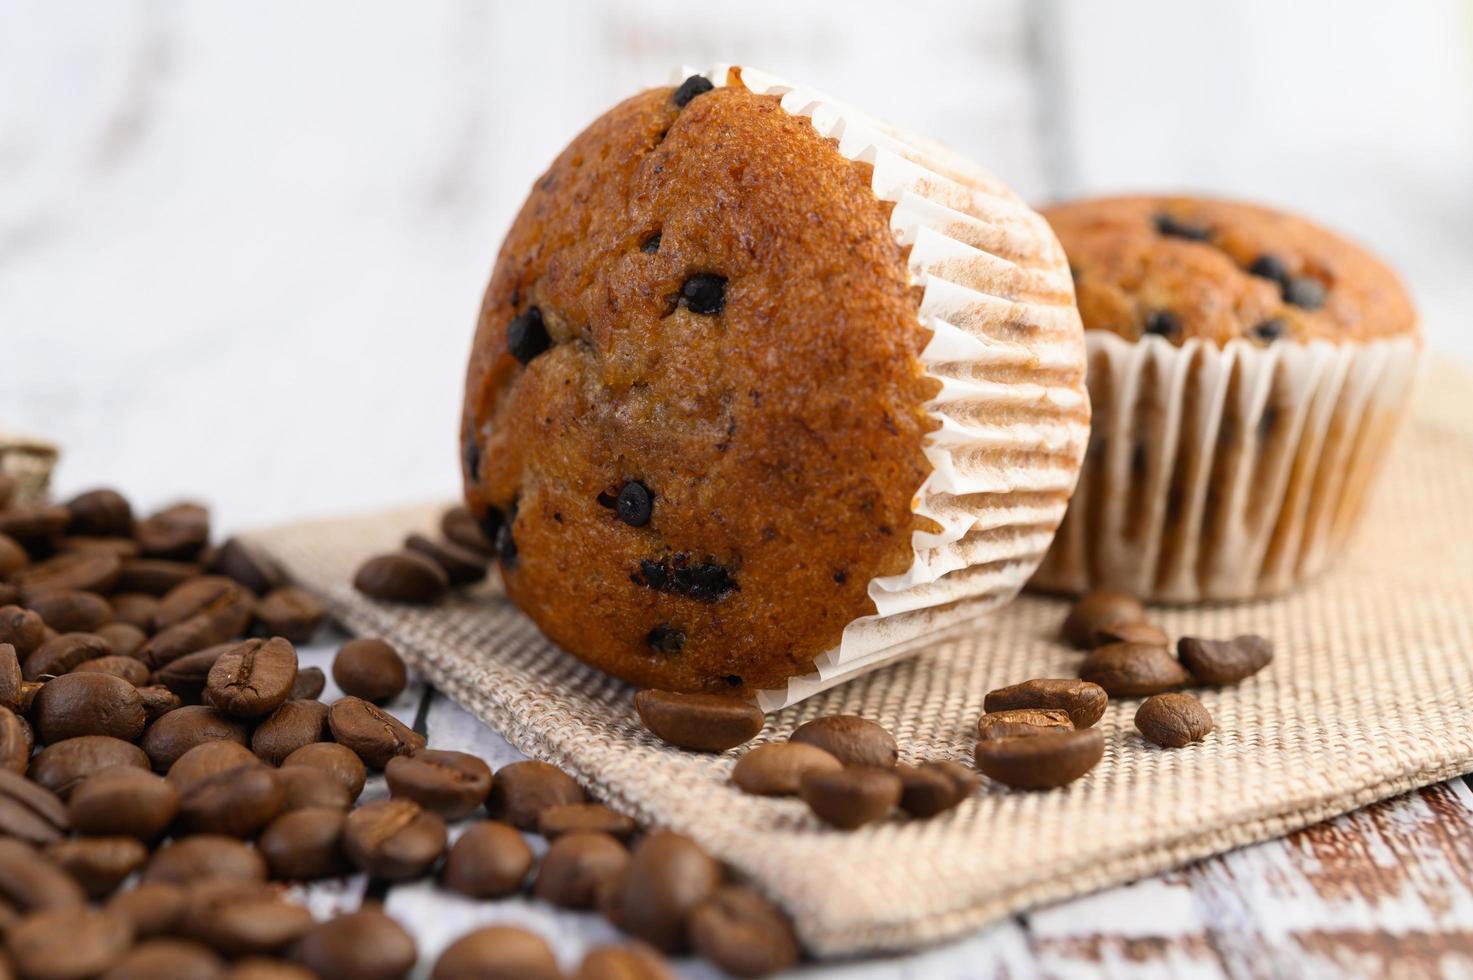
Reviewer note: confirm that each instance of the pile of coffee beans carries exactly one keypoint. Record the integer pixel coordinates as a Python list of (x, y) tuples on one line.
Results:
[(167, 767)]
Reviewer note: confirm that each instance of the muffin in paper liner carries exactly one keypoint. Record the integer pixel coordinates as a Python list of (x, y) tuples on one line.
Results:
[(1006, 349)]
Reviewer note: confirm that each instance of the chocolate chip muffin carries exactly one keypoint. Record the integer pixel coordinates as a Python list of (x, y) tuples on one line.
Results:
[(700, 411), (1248, 369)]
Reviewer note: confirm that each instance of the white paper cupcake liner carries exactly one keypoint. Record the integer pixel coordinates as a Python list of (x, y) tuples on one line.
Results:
[(1006, 347), (1225, 473)]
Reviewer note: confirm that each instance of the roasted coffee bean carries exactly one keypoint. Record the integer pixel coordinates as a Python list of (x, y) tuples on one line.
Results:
[(305, 844), (29, 811), (176, 959), (62, 765), (31, 882), (341, 763), (394, 839), (253, 678), (64, 653), (102, 512), (777, 768), (451, 784), (238, 918), (489, 860), (268, 968), (308, 685), (291, 613), (1223, 662), (153, 907), (87, 704), (522, 790), (123, 801), (12, 679), (237, 802), (73, 611), (853, 796), (69, 571), (1023, 721), (1040, 761), (158, 701), (123, 639), (1082, 701), (362, 945), (576, 866), (127, 668), (60, 944), (202, 632), (205, 857), (12, 556), (374, 734), (401, 576), (852, 740), (667, 876), (177, 732), (462, 565), (22, 629), (1305, 292), (248, 565), (188, 675), (288, 728), (1173, 720), (934, 787), (1100, 609), (99, 864), (497, 953), (154, 576), (16, 741), (304, 786), (178, 532), (209, 759), (1129, 633), (135, 609), (122, 549), (34, 526), (743, 933), (369, 669), (704, 294), (701, 722), (634, 961), (202, 595), (1133, 669), (585, 818), (460, 527)]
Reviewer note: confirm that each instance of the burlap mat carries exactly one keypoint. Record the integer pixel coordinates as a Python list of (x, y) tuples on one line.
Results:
[(1371, 695)]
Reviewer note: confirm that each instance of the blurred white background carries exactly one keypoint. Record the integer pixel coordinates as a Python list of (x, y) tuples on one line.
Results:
[(242, 245)]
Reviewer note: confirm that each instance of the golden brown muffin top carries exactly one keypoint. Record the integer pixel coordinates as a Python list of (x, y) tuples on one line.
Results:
[(707, 441), (1196, 267)]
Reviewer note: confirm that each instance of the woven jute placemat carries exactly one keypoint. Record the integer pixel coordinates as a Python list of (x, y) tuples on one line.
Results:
[(1371, 695)]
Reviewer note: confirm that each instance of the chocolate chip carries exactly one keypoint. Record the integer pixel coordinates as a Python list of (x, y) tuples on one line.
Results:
[(491, 522), (1173, 227), (506, 545), (526, 335), (704, 294), (666, 639), (651, 244), (1269, 330), (471, 455), (1163, 323), (690, 88), (703, 581), (1268, 266), (1305, 292), (634, 504)]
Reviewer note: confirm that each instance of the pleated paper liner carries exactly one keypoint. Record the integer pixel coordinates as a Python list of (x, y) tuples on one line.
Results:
[(1226, 473)]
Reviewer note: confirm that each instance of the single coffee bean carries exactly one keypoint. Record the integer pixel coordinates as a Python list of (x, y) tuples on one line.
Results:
[(462, 565), (158, 701), (634, 961), (203, 632), (743, 933), (102, 512), (1082, 701), (123, 801), (1133, 669), (252, 678), (62, 765), (489, 860), (205, 857), (373, 733), (176, 959), (237, 802), (12, 556), (402, 576), (177, 732), (1023, 721), (122, 549), (1173, 720), (459, 526), (497, 953), (153, 907), (1097, 610), (31, 883), (154, 576), (593, 818), (934, 787), (305, 844), (98, 863), (87, 704), (268, 968), (85, 571), (667, 876), (123, 639), (852, 740), (700, 722), (206, 594), (73, 611), (1129, 633), (63, 654), (308, 685), (178, 532), (451, 784), (288, 728), (575, 867), (22, 629), (16, 741), (59, 944), (188, 675), (304, 786), (341, 764), (135, 609), (853, 796), (362, 945), (34, 527), (29, 811), (1040, 761), (248, 565), (237, 918), (291, 613), (523, 790), (127, 668), (1223, 662), (777, 768), (12, 678), (394, 839), (209, 759), (369, 669)]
